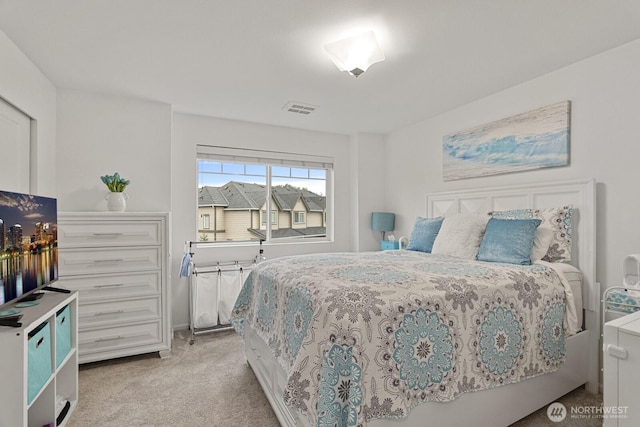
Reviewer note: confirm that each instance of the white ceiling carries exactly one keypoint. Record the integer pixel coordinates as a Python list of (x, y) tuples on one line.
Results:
[(245, 59)]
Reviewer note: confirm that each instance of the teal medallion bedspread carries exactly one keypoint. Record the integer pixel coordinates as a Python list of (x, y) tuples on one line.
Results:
[(370, 335)]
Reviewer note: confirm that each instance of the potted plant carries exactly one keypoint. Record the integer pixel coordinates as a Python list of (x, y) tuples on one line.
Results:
[(116, 198)]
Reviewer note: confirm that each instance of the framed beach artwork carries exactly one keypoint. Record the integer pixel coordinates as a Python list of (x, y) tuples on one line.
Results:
[(533, 140)]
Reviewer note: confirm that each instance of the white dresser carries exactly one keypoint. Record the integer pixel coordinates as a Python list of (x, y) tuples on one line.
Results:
[(621, 361), (118, 262)]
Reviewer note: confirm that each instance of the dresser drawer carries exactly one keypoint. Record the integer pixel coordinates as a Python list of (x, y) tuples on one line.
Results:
[(108, 260), (105, 233), (113, 286), (118, 312), (118, 338)]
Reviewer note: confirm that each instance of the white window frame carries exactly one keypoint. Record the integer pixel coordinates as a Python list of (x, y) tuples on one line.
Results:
[(302, 214), (277, 158), (206, 222), (274, 217)]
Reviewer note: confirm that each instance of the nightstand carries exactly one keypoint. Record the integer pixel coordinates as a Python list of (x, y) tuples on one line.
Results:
[(621, 362), (386, 245)]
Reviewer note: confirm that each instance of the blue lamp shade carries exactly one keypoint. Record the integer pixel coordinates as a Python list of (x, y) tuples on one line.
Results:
[(383, 221)]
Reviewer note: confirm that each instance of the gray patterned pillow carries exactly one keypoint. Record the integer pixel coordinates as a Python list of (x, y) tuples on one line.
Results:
[(556, 219)]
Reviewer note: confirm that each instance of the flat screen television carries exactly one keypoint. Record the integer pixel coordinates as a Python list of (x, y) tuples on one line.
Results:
[(28, 245)]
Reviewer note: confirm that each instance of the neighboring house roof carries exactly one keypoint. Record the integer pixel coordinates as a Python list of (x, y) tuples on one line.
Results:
[(314, 203), (211, 196), (286, 200), (244, 196), (291, 232)]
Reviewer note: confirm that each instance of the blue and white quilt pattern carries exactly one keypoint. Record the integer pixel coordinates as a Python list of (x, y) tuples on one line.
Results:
[(371, 335)]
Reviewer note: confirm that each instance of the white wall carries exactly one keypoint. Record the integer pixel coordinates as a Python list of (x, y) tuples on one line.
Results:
[(190, 130), (368, 176), (100, 135), (605, 144), (25, 87)]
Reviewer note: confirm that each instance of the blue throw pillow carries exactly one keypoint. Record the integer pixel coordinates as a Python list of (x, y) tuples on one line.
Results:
[(424, 234), (508, 240)]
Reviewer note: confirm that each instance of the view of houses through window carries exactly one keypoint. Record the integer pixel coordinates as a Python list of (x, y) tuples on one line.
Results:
[(233, 201)]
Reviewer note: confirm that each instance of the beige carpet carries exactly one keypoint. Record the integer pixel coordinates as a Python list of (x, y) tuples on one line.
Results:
[(200, 385), (207, 384)]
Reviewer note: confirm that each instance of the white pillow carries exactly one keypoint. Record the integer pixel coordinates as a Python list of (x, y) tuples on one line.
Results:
[(460, 235), (541, 242)]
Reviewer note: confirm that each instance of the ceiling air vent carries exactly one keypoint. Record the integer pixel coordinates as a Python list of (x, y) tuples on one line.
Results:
[(299, 108)]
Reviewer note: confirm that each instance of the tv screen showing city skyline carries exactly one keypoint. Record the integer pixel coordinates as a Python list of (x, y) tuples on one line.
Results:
[(28, 244)]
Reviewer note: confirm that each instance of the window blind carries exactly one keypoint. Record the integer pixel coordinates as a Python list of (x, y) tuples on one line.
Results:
[(241, 155)]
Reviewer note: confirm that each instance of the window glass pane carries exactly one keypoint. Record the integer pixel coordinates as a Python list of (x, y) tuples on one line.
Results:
[(260, 170), (280, 171), (232, 196), (233, 168), (318, 173), (206, 166), (299, 173), (305, 198)]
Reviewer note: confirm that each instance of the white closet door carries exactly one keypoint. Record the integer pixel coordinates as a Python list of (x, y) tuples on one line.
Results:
[(15, 144)]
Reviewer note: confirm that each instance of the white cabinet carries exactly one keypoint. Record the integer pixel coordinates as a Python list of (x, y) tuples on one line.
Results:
[(118, 262), (39, 363), (621, 361)]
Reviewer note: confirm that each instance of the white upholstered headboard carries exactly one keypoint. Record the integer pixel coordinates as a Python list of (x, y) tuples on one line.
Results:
[(579, 193)]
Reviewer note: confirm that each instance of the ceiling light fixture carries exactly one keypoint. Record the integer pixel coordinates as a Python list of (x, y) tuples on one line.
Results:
[(355, 54)]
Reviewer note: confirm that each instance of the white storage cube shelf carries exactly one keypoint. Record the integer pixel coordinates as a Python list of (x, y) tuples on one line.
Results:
[(39, 368)]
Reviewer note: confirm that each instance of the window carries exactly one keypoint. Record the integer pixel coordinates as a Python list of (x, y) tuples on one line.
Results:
[(298, 217), (263, 218), (206, 218), (238, 187)]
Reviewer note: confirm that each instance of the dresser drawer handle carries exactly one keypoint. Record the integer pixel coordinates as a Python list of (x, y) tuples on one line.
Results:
[(108, 260), (106, 313), (617, 352), (107, 234), (115, 285), (119, 337)]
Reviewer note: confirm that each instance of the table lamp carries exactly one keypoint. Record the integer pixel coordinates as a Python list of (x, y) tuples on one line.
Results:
[(383, 221)]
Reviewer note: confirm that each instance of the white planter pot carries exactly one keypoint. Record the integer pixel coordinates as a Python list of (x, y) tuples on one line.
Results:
[(116, 202)]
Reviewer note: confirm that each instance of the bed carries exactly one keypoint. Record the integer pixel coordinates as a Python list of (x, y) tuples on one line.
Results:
[(400, 337)]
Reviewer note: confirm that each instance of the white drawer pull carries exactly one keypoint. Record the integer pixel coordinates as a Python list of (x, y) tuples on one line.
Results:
[(115, 285), (106, 313), (107, 234), (617, 352), (108, 260), (119, 337)]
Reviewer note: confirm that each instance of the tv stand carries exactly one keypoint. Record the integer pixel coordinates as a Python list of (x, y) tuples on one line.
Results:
[(40, 363), (54, 289)]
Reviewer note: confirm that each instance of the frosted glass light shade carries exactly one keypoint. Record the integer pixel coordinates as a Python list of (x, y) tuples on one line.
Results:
[(383, 221), (355, 54)]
